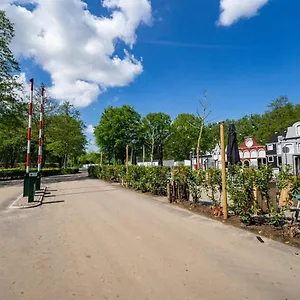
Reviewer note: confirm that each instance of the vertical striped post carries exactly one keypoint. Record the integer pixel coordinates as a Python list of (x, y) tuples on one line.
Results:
[(30, 107), (29, 125), (38, 182), (41, 129)]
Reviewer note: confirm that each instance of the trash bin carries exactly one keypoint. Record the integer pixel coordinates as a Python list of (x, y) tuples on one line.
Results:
[(38, 181)]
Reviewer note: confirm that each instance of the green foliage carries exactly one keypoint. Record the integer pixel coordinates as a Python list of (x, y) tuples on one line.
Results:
[(150, 179), (155, 128), (183, 137), (262, 178), (181, 176), (214, 185), (118, 127), (196, 184), (295, 188), (19, 173), (65, 137), (277, 217), (89, 158), (240, 188), (283, 177), (8, 64)]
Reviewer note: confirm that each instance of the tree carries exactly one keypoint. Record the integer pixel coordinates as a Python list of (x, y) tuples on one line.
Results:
[(155, 129), (66, 140), (8, 64), (13, 137), (203, 116), (118, 127), (90, 158), (183, 137)]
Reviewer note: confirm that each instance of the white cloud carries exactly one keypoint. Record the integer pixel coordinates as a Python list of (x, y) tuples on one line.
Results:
[(233, 10), (90, 129), (76, 47)]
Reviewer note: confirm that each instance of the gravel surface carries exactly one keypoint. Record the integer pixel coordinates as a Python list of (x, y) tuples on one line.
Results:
[(94, 240)]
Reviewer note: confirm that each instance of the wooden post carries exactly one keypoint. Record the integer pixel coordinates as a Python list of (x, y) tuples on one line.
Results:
[(101, 159), (224, 189), (126, 160)]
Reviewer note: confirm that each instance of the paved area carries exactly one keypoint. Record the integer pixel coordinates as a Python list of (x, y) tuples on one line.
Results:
[(94, 240)]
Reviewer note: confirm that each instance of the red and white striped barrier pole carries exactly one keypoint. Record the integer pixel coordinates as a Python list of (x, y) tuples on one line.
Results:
[(38, 179), (26, 190), (29, 125), (41, 129)]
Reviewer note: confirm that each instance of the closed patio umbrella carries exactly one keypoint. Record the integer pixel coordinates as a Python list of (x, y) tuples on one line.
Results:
[(233, 155)]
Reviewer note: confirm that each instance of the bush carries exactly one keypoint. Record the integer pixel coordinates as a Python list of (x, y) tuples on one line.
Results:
[(144, 179), (19, 173)]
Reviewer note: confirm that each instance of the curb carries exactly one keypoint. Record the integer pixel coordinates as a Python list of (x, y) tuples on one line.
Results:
[(38, 201)]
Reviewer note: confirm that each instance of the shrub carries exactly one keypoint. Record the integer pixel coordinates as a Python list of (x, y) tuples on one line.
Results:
[(145, 179), (240, 188), (19, 173)]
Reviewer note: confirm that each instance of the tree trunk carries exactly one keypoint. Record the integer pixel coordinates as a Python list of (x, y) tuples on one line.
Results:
[(198, 145), (152, 149)]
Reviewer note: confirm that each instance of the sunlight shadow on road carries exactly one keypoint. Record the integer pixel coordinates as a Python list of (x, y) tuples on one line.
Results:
[(87, 192), (53, 202)]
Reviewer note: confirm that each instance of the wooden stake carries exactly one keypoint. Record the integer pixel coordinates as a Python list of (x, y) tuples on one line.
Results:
[(224, 189), (101, 159)]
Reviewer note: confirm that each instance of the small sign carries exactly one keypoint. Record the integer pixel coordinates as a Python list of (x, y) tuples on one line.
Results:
[(33, 174)]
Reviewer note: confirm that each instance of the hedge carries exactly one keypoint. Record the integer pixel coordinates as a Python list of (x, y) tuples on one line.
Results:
[(145, 179), (18, 173)]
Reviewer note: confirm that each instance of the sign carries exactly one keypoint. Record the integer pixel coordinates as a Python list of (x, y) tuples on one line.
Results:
[(33, 174)]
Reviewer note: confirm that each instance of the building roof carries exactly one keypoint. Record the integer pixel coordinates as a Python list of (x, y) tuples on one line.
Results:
[(274, 138), (254, 144)]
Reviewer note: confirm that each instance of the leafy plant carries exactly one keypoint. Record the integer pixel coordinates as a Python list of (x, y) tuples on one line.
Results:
[(295, 188), (214, 185), (240, 188), (263, 177), (277, 217), (196, 183)]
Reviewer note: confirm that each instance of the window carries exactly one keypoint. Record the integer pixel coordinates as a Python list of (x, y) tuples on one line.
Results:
[(288, 149), (270, 159), (270, 147), (279, 149), (279, 160), (298, 147), (298, 130), (254, 154)]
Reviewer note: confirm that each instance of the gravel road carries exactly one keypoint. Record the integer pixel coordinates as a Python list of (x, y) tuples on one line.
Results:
[(94, 240)]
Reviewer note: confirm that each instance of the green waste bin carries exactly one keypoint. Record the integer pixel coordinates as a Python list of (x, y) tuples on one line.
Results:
[(32, 186), (38, 181)]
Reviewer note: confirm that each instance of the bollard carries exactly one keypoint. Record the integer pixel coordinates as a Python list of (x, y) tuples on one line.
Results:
[(38, 182), (31, 186)]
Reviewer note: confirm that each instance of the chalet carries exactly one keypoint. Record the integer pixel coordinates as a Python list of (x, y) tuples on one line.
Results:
[(252, 153), (289, 148), (274, 155)]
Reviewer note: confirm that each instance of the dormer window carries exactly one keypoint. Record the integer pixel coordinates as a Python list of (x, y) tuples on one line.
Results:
[(298, 130)]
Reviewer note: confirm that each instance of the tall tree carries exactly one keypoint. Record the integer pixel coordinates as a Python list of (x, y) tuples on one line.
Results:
[(183, 137), (156, 128), (65, 138), (8, 64), (203, 119), (118, 127)]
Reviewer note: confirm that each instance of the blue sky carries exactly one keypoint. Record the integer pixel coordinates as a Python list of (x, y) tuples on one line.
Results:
[(184, 51)]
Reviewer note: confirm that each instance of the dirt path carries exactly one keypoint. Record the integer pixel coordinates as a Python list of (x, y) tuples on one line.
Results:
[(93, 240)]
